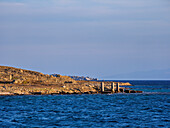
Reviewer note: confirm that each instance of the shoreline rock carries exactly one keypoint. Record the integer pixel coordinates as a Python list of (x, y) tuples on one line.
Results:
[(15, 81)]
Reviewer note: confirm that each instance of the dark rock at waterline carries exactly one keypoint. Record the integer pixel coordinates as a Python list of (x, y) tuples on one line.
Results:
[(36, 93), (121, 90), (139, 91), (132, 91)]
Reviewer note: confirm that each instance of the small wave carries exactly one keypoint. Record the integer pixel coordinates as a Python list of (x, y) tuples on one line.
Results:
[(156, 93)]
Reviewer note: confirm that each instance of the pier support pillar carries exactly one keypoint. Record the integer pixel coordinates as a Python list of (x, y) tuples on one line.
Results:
[(102, 87), (113, 87), (117, 87)]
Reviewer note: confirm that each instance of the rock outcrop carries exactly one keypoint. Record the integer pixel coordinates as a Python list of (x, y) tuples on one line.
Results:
[(15, 81), (20, 81)]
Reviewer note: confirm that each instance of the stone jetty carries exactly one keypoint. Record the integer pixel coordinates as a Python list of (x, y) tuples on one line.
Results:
[(16, 81)]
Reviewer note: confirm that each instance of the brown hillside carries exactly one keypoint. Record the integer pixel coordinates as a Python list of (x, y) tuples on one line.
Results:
[(27, 77)]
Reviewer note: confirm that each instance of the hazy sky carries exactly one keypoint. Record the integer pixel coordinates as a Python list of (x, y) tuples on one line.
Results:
[(107, 39)]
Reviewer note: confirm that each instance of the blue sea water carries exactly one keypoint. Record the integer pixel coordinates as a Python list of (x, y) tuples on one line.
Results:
[(146, 110)]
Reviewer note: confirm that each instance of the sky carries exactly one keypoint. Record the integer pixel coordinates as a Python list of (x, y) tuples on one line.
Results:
[(105, 39)]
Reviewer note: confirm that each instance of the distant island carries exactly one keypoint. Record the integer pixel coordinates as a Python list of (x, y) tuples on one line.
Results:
[(79, 77), (16, 81)]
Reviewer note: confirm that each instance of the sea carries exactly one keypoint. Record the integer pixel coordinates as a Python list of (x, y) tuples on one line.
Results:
[(150, 109)]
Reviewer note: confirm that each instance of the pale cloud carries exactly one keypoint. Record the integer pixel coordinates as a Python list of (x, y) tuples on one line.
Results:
[(128, 3), (65, 2), (11, 4), (75, 8), (53, 8)]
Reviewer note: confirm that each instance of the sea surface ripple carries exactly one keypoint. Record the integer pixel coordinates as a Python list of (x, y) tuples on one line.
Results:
[(116, 110)]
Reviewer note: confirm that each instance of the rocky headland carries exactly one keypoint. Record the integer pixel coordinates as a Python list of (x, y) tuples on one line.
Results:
[(16, 81)]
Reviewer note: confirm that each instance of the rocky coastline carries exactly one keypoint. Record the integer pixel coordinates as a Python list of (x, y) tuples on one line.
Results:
[(16, 81)]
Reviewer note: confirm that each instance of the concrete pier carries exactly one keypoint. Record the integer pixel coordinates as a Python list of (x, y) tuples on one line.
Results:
[(113, 87), (117, 87), (102, 86)]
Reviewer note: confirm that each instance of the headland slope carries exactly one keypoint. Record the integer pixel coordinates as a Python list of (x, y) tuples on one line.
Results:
[(16, 81)]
